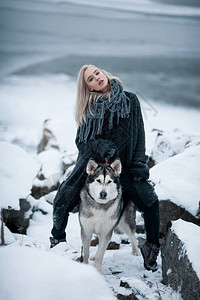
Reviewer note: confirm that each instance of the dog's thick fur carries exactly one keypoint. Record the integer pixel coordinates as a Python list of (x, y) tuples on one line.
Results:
[(101, 209)]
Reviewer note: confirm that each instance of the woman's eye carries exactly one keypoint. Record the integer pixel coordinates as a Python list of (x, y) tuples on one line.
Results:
[(90, 79), (97, 73)]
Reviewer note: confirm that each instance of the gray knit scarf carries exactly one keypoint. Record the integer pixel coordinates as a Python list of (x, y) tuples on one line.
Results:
[(119, 105)]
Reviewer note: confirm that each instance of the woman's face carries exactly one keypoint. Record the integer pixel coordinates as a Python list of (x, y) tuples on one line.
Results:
[(96, 80)]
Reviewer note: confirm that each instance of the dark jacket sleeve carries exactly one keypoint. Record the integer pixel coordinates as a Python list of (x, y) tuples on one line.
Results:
[(99, 149), (139, 167)]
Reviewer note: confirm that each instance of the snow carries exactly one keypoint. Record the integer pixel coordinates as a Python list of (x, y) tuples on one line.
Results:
[(189, 234), (38, 274), (51, 161), (23, 125), (117, 264), (17, 171), (178, 177)]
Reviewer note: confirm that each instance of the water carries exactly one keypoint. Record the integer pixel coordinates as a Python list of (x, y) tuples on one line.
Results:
[(154, 51)]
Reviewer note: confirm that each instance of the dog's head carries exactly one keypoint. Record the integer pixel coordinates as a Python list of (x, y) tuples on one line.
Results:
[(103, 180)]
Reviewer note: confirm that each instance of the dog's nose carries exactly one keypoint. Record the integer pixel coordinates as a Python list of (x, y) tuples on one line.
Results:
[(103, 194)]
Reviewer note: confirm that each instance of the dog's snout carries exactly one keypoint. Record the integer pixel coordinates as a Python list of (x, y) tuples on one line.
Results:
[(103, 194)]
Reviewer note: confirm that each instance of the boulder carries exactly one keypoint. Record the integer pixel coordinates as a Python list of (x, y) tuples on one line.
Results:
[(176, 182), (170, 211), (53, 157), (167, 144), (56, 135), (48, 139), (18, 169), (17, 220), (50, 173), (181, 259)]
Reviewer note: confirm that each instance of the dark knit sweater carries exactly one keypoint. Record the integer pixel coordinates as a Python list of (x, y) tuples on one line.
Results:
[(128, 140)]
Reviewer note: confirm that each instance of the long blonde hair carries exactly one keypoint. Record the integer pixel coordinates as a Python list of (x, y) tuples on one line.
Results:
[(84, 97)]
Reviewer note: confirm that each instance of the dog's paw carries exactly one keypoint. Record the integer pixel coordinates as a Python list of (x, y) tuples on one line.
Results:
[(136, 253)]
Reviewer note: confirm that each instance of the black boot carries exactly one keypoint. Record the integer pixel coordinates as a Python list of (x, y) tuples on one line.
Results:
[(54, 241), (150, 253)]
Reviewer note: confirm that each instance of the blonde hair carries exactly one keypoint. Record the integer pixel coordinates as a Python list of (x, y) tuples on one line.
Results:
[(84, 97)]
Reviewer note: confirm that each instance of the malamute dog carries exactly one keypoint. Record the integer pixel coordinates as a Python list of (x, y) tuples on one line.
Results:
[(101, 209)]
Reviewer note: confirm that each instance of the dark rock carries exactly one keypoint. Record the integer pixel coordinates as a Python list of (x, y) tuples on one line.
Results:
[(169, 211), (94, 241), (151, 162), (125, 284), (66, 166), (38, 192), (132, 295), (129, 297), (177, 270), (47, 138), (113, 246), (198, 213), (15, 220)]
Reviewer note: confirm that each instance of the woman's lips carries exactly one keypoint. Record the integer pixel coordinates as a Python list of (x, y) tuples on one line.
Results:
[(100, 82)]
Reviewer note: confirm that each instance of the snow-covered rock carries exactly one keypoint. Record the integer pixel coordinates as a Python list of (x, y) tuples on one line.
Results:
[(55, 135), (54, 131), (177, 181), (51, 163), (50, 173), (181, 259), (28, 273), (169, 143), (17, 171), (53, 156)]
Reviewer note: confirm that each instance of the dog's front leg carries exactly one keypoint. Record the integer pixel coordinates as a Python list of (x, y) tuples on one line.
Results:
[(86, 239), (103, 243)]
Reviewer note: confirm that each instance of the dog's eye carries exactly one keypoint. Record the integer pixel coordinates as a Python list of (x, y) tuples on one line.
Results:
[(109, 181), (98, 180)]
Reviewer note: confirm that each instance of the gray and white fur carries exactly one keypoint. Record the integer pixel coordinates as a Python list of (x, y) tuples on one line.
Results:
[(101, 209)]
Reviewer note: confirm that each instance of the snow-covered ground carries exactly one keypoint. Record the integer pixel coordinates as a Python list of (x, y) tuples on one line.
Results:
[(31, 273), (53, 272), (50, 273)]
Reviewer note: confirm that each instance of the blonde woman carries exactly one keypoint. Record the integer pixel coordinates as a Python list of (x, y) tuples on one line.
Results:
[(110, 125)]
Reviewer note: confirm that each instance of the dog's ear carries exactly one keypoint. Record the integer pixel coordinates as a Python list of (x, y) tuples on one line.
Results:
[(116, 166), (91, 166)]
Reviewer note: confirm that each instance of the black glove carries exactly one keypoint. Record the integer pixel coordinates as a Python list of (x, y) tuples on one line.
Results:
[(106, 149), (139, 171)]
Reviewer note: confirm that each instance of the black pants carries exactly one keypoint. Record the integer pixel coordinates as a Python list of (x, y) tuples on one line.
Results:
[(129, 193), (151, 213)]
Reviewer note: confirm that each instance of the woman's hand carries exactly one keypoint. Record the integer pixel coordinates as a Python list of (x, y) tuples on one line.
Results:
[(106, 150)]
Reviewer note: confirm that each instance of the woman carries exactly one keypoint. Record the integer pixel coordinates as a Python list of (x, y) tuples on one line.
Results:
[(110, 125)]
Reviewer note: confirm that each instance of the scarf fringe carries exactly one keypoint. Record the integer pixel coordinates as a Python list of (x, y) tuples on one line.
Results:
[(118, 105)]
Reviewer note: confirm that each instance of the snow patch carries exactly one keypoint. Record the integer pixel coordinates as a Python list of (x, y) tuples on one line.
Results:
[(37, 274), (17, 171)]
